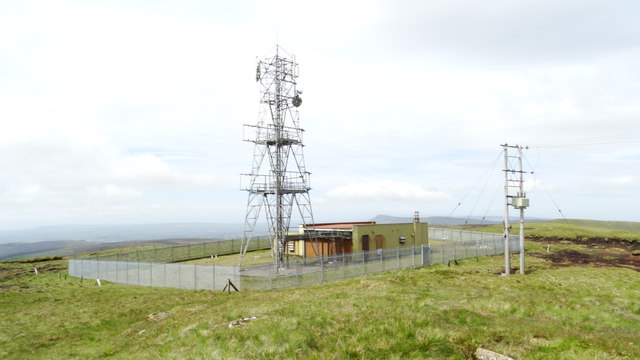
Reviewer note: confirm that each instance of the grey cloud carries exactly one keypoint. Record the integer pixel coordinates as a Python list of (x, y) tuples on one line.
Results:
[(501, 31)]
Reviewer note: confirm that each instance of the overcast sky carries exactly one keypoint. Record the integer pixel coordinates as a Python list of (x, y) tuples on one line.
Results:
[(132, 111)]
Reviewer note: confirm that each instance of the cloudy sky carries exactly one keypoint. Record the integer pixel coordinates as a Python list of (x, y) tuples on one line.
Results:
[(132, 111)]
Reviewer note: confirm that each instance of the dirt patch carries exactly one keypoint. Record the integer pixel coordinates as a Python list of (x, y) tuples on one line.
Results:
[(53, 268), (598, 243), (12, 273), (35, 260), (12, 287), (598, 252)]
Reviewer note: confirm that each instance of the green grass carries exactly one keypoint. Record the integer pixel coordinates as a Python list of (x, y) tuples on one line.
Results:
[(250, 258), (120, 250), (574, 229), (434, 312)]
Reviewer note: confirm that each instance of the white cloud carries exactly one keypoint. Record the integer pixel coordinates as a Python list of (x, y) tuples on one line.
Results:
[(113, 192), (507, 33), (537, 186), (385, 191), (135, 107), (626, 181), (15, 194)]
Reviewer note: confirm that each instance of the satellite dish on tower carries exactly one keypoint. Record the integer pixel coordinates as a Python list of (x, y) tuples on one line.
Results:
[(296, 101)]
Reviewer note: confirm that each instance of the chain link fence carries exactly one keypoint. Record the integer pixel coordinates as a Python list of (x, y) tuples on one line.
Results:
[(445, 245), (160, 266), (184, 252)]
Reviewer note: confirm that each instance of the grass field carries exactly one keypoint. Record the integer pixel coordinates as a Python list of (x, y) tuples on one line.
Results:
[(554, 312), (574, 229), (250, 258)]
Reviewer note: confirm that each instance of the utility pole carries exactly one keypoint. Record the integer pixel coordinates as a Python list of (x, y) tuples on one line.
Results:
[(521, 203), (507, 227), (513, 179)]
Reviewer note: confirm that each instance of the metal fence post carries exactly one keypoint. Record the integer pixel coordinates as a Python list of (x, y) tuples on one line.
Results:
[(195, 277), (454, 251), (398, 257), (364, 270), (421, 254), (493, 246), (344, 268), (213, 276), (413, 256)]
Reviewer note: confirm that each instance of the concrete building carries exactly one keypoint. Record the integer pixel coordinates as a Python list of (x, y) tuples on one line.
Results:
[(352, 237)]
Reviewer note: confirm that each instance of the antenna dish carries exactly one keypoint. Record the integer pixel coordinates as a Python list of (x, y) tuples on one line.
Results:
[(296, 101)]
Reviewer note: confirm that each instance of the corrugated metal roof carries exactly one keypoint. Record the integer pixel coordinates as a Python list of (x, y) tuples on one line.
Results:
[(338, 226)]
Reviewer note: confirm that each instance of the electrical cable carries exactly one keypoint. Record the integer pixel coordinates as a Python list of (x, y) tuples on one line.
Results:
[(602, 140), (495, 194), (473, 187), (481, 192), (547, 191)]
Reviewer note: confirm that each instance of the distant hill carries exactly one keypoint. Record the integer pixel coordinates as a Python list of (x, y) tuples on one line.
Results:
[(75, 247), (434, 220), (67, 240), (126, 232)]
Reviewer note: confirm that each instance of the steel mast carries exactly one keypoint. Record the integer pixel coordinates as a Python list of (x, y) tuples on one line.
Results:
[(283, 182)]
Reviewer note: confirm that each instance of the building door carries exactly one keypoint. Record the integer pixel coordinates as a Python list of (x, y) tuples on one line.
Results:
[(365, 242), (379, 242)]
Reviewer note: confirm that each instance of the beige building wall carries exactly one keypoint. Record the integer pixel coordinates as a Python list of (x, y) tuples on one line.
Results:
[(389, 236)]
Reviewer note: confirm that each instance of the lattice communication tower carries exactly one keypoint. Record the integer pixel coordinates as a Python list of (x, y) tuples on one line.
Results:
[(279, 181)]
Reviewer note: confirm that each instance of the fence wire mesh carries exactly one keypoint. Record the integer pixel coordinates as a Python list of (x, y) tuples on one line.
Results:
[(161, 267)]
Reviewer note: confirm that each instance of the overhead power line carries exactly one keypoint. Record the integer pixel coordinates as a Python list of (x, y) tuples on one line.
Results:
[(487, 172), (601, 140)]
